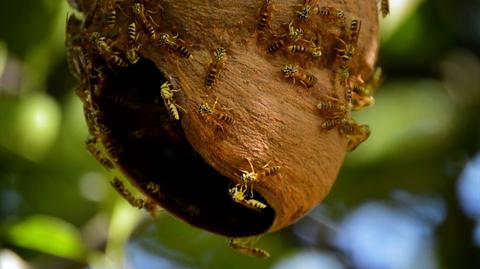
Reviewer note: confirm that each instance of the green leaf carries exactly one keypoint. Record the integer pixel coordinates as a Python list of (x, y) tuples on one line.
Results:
[(49, 235)]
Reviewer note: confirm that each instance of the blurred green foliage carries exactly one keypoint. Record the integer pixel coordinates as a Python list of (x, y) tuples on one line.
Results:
[(49, 235), (57, 210)]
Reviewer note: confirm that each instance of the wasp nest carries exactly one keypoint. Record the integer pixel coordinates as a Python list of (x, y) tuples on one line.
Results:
[(234, 116)]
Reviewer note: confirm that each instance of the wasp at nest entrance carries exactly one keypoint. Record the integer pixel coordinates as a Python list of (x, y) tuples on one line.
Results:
[(144, 141)]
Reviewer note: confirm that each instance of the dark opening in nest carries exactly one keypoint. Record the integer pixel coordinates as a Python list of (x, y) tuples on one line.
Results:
[(153, 152)]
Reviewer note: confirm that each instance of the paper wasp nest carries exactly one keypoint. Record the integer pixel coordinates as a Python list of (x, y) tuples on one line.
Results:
[(180, 96)]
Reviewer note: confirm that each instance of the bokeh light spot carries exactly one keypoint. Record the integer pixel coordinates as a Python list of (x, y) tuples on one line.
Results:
[(476, 235), (468, 188), (10, 260), (310, 260), (93, 186), (377, 236)]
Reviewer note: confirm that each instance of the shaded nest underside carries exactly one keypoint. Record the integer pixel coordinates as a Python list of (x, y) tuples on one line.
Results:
[(151, 148)]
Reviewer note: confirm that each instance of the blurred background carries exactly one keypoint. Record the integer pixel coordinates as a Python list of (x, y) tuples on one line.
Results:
[(409, 197)]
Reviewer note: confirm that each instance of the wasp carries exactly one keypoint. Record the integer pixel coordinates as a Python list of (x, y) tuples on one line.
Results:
[(333, 108), (249, 177), (91, 145), (171, 44), (354, 32), (84, 61), (297, 48), (255, 203), (74, 49), (361, 98), (92, 114), (132, 37), (238, 195), (89, 114), (297, 73), (348, 96), (100, 78), (73, 61), (355, 141), (105, 50), (344, 72), (304, 13), (168, 99), (141, 203), (210, 113), (335, 111), (132, 33), (314, 51), (330, 123), (356, 134), (73, 26), (100, 42), (265, 14), (362, 95), (132, 55), (294, 33), (109, 145), (110, 12), (139, 11), (118, 185), (385, 8), (118, 60), (166, 92), (308, 7), (333, 122), (220, 56), (270, 170), (247, 248), (350, 127), (205, 110), (276, 46), (252, 176), (332, 14), (346, 53), (152, 187)]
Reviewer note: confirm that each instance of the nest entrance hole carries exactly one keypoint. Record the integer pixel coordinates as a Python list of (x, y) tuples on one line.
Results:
[(153, 152)]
